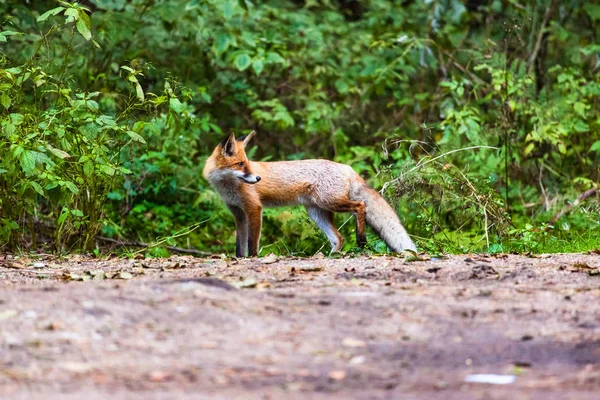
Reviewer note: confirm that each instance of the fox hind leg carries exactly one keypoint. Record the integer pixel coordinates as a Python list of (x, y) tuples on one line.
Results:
[(358, 209), (324, 220), (361, 237)]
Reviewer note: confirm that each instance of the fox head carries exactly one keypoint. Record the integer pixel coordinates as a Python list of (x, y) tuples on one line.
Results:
[(229, 159)]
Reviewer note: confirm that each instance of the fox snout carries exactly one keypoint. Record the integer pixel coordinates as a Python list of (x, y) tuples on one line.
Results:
[(249, 178)]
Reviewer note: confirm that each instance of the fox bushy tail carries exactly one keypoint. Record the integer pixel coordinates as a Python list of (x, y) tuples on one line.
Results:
[(382, 218)]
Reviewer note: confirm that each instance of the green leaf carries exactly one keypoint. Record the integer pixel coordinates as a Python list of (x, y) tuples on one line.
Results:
[(138, 91), (107, 169), (16, 119), (88, 168), (41, 158), (529, 148), (192, 4), (128, 69), (222, 42), (593, 10), (27, 161), (228, 8), (136, 137), (242, 61), (215, 128), (71, 186), (63, 216), (596, 147), (4, 34), (5, 100), (342, 86), (36, 186), (17, 151), (9, 129), (85, 18), (72, 15), (47, 14), (274, 58), (580, 108), (115, 196), (82, 27), (257, 66), (580, 126), (512, 105), (92, 105), (176, 105), (590, 49)]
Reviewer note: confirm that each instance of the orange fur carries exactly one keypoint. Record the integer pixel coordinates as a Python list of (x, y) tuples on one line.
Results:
[(322, 186)]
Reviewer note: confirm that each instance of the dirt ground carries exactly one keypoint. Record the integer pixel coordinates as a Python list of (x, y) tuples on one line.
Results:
[(319, 328)]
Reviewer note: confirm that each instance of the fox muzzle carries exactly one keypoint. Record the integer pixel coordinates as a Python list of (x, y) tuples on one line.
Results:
[(246, 177), (249, 178)]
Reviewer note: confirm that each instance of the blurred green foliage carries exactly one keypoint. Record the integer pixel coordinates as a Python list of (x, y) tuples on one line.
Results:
[(480, 119)]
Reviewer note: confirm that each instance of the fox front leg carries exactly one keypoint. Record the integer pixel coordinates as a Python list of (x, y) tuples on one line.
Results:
[(241, 231), (254, 215)]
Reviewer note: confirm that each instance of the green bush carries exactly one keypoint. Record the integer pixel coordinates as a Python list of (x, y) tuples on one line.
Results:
[(478, 119), (62, 153)]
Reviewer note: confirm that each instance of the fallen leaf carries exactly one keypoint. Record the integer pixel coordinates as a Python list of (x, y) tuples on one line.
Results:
[(97, 274), (76, 367), (484, 271), (357, 360), (174, 265), (584, 267), (491, 379), (337, 375), (160, 376), (351, 342), (269, 259), (68, 276), (581, 266), (125, 275), (307, 268), (263, 285), (6, 314), (53, 326)]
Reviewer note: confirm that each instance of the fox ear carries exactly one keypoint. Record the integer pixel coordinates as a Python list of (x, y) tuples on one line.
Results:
[(228, 145), (246, 138)]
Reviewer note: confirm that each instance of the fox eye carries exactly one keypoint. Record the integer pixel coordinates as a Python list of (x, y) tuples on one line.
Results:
[(241, 164)]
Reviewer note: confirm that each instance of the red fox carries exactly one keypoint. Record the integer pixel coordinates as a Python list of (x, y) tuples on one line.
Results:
[(322, 186)]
